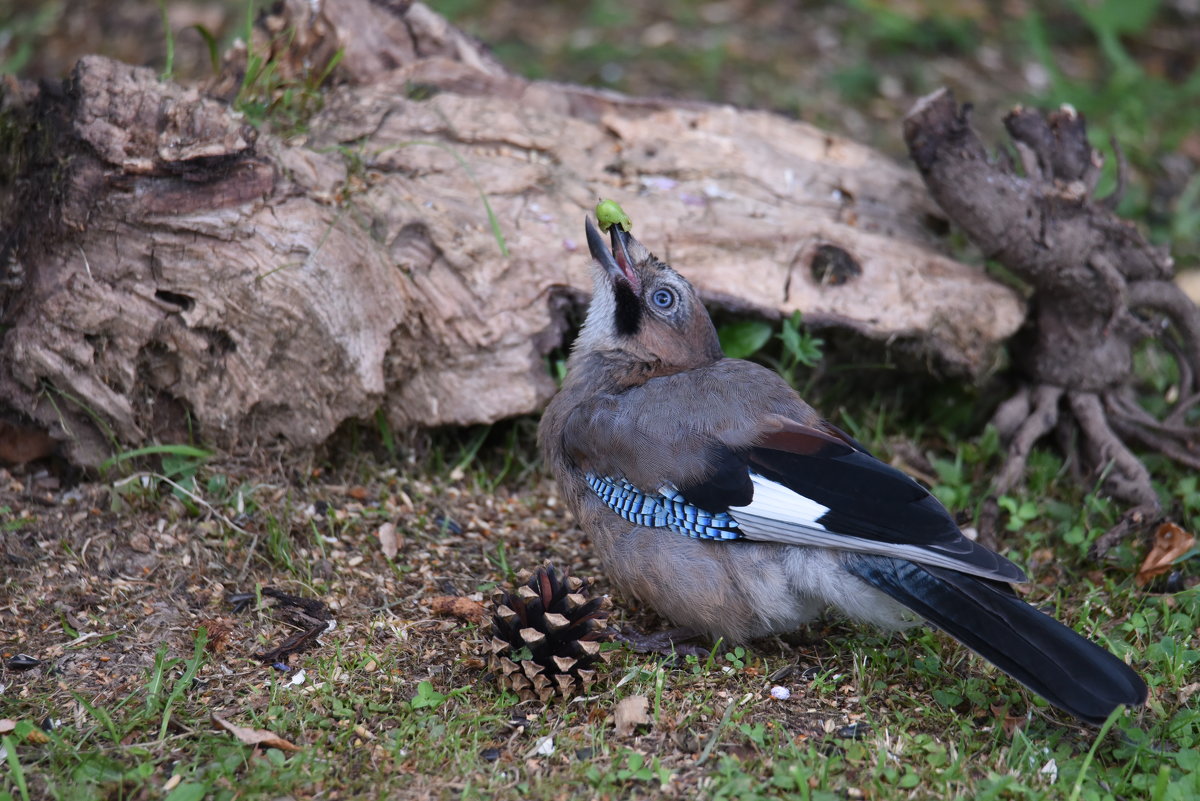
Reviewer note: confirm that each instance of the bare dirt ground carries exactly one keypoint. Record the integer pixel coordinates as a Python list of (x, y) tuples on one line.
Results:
[(103, 579)]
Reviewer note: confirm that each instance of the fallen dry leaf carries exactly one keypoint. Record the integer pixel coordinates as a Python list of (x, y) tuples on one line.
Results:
[(1189, 282), (631, 713), (389, 543), (1010, 723), (1170, 543), (248, 736), (459, 607), (218, 633), (37, 737)]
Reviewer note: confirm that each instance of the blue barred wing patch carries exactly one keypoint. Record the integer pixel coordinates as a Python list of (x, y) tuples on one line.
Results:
[(665, 509)]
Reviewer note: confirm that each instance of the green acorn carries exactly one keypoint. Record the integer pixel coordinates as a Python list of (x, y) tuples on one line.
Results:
[(547, 634), (610, 213)]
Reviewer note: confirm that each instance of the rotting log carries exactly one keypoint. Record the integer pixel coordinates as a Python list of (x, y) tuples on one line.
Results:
[(171, 272)]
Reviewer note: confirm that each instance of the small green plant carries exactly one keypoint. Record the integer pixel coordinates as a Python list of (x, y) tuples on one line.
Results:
[(756, 733), (429, 698), (16, 523), (639, 768), (279, 545), (268, 95), (239, 499), (180, 458), (799, 347), (499, 558), (178, 469), (1020, 513), (385, 434), (952, 488), (743, 339), (155, 704), (736, 658), (631, 767)]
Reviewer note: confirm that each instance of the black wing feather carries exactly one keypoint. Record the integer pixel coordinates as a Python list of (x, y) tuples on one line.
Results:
[(865, 497), (728, 485)]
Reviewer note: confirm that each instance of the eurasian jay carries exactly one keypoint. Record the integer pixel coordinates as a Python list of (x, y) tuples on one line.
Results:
[(712, 492)]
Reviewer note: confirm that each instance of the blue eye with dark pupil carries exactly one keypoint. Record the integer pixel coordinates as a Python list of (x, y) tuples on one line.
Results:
[(663, 298)]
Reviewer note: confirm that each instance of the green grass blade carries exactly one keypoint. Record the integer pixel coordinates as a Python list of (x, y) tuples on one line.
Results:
[(14, 767), (185, 681), (497, 234), (169, 67), (1091, 754), (184, 451)]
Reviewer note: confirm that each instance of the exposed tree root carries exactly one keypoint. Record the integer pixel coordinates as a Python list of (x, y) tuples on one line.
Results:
[(1099, 291), (1040, 421)]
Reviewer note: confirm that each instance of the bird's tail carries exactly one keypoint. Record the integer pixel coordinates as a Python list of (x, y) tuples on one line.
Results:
[(1068, 670)]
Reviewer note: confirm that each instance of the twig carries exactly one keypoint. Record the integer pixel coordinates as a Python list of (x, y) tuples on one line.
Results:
[(193, 496)]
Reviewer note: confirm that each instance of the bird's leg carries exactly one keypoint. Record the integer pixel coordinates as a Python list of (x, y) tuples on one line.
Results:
[(671, 641)]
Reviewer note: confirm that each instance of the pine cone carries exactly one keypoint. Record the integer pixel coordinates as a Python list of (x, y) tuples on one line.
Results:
[(547, 635)]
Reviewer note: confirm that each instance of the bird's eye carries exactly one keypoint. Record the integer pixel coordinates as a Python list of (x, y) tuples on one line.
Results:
[(663, 298)]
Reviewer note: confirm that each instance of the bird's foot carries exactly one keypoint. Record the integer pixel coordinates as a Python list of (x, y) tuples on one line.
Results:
[(667, 643)]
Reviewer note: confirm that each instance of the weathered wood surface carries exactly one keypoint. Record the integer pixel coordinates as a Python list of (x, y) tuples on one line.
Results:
[(1100, 292), (171, 272)]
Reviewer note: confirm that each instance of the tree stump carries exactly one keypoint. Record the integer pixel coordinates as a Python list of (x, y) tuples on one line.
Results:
[(171, 273), (1099, 291)]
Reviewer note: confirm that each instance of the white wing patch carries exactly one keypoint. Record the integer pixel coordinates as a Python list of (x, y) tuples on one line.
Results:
[(779, 514), (777, 502)]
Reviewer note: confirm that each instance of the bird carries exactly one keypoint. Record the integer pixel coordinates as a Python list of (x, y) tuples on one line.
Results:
[(711, 491)]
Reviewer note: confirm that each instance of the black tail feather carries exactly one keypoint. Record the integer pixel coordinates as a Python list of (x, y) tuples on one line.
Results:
[(1068, 670)]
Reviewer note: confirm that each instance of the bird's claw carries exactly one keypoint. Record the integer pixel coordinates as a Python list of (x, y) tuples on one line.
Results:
[(667, 643)]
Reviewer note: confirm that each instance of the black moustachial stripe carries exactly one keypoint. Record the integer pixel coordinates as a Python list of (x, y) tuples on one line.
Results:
[(629, 310)]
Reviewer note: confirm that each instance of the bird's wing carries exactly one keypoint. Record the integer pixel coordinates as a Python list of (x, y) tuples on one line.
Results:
[(814, 487), (717, 455)]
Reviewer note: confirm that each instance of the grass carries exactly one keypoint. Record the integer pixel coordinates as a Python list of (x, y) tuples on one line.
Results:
[(394, 702), (275, 93)]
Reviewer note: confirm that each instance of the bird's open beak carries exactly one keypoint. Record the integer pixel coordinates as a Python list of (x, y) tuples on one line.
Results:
[(616, 262)]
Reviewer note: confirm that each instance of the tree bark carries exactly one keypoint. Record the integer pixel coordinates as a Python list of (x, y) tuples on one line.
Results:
[(1100, 290), (171, 273)]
